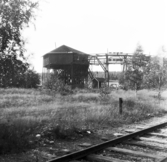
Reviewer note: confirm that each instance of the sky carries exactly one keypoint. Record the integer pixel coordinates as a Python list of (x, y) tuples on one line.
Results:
[(97, 26)]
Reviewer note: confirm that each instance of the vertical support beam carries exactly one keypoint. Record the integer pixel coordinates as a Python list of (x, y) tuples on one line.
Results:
[(86, 78), (72, 75), (48, 72), (124, 66), (72, 72), (42, 76), (107, 72), (43, 73), (120, 105), (124, 61)]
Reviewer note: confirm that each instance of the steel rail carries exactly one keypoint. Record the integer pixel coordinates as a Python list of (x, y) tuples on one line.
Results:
[(98, 147)]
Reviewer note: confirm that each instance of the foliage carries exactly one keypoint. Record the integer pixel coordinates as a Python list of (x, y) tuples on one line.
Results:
[(124, 84), (11, 71), (54, 83), (15, 73), (14, 16), (114, 75), (133, 77), (15, 137), (57, 118), (145, 72), (157, 74), (104, 95), (31, 79)]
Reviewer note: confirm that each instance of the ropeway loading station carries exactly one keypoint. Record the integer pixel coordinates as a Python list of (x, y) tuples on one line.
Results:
[(73, 66)]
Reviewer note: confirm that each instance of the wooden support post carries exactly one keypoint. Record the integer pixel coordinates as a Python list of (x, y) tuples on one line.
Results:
[(136, 89), (120, 105), (98, 84), (123, 67), (72, 76), (42, 76), (107, 72)]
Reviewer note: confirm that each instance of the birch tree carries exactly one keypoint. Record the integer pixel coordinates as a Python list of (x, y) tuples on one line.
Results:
[(15, 15)]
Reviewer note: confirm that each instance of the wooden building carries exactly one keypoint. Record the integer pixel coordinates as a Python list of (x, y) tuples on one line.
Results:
[(70, 64), (97, 82)]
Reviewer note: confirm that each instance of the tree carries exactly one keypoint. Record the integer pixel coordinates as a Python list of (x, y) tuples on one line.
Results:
[(31, 79), (11, 71), (157, 74), (133, 77), (15, 15)]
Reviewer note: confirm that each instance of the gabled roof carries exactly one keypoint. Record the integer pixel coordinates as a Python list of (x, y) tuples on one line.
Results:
[(65, 49)]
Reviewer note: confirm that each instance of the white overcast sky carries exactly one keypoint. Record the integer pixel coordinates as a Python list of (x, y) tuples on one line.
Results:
[(95, 26)]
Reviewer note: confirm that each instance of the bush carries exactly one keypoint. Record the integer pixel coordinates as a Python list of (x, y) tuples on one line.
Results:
[(16, 136), (104, 96), (31, 79), (55, 84)]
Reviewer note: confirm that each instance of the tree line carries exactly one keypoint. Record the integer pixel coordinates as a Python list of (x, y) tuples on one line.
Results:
[(15, 70), (144, 72)]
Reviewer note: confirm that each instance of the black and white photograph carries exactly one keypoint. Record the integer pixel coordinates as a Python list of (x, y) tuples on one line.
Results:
[(83, 80)]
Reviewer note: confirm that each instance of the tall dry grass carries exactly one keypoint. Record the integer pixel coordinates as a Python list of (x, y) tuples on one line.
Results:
[(25, 113)]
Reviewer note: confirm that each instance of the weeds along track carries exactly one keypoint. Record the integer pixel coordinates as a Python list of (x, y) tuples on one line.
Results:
[(146, 145)]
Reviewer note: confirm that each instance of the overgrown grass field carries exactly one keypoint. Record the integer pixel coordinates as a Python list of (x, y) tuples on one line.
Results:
[(26, 113)]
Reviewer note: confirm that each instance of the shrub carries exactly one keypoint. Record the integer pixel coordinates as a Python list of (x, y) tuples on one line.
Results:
[(31, 79), (55, 84), (104, 96), (17, 136)]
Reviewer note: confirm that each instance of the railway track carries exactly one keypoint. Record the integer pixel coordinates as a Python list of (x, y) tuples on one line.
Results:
[(146, 145)]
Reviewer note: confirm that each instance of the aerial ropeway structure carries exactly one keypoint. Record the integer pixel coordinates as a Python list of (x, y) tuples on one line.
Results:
[(73, 66)]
